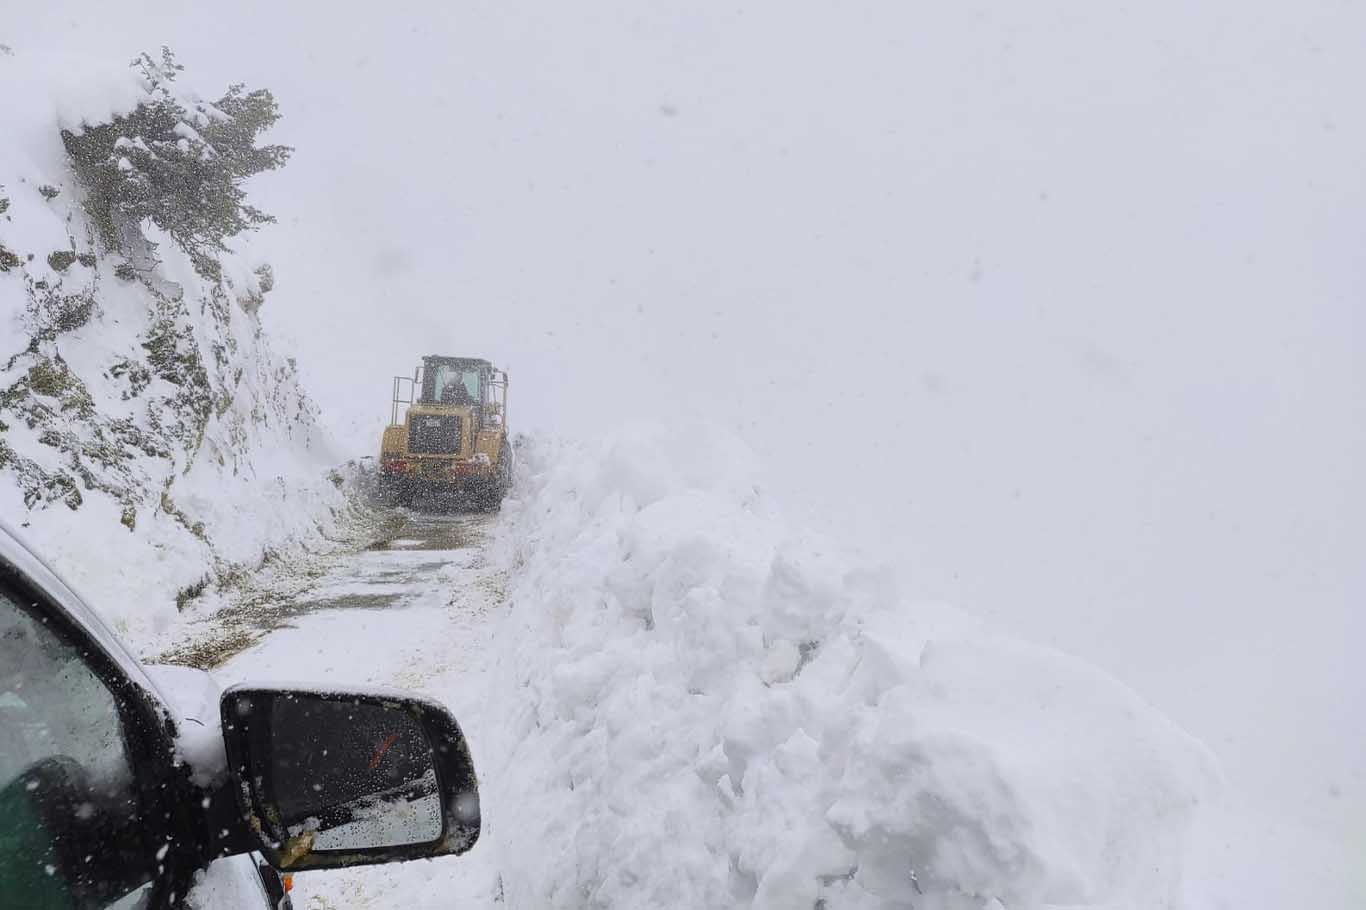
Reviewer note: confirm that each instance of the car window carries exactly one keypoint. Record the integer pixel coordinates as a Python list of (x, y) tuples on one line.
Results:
[(68, 794)]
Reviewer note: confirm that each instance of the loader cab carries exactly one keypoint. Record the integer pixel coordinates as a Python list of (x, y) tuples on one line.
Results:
[(461, 382), (453, 382)]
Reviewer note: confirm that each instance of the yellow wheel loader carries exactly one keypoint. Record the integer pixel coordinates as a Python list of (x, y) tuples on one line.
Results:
[(447, 437)]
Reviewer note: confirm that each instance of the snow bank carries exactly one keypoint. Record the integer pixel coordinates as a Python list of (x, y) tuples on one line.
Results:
[(707, 708), (151, 442)]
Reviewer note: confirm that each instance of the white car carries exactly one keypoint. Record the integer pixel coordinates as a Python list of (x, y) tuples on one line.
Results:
[(141, 788)]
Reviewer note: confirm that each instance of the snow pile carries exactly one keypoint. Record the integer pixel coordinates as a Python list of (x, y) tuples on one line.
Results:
[(150, 441), (703, 707)]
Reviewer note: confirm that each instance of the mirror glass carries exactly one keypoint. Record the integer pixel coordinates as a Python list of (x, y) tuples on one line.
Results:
[(350, 775)]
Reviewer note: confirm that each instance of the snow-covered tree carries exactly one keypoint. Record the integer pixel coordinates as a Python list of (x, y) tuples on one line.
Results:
[(179, 162)]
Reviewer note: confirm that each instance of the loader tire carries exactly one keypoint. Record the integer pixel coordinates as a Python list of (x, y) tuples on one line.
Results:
[(491, 500), (393, 492)]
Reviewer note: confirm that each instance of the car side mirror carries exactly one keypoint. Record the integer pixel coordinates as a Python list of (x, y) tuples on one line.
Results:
[(330, 779)]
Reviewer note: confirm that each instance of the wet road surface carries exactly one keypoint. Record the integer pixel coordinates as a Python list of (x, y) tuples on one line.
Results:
[(414, 557)]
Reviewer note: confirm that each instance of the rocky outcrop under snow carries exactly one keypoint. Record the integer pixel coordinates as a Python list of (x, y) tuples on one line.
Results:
[(151, 442)]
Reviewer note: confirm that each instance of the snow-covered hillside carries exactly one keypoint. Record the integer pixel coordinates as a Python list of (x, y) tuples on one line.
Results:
[(701, 706), (151, 443)]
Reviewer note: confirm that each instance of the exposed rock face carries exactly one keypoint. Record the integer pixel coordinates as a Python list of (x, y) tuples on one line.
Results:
[(136, 385)]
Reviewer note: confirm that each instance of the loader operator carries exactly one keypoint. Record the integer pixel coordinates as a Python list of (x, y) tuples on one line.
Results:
[(455, 392)]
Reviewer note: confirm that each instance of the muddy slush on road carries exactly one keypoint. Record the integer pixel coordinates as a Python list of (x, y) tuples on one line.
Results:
[(389, 560)]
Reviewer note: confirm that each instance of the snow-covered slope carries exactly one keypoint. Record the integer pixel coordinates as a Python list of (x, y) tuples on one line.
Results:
[(150, 440), (702, 706)]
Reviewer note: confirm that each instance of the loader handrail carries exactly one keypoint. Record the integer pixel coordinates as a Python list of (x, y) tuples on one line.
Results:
[(498, 391), (398, 396)]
